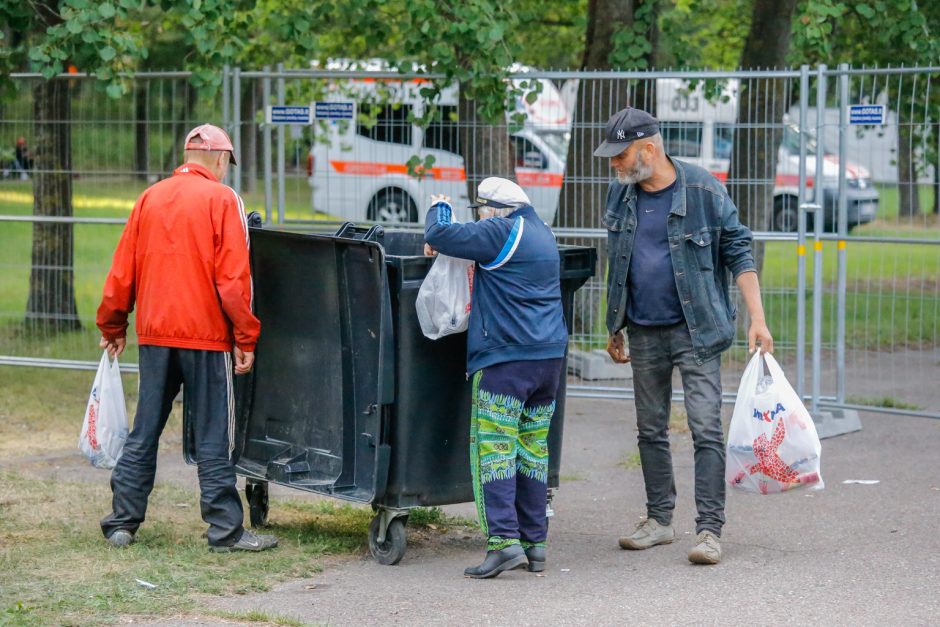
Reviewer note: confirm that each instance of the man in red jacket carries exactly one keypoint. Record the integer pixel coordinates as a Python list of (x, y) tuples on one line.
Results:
[(183, 262)]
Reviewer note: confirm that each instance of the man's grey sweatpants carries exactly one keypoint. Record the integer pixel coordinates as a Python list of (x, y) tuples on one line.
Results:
[(654, 352), (206, 377)]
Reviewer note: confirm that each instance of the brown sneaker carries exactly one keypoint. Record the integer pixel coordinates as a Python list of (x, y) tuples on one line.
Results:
[(707, 549), (648, 533)]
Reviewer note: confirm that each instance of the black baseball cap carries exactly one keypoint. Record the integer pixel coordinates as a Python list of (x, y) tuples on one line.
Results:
[(625, 127)]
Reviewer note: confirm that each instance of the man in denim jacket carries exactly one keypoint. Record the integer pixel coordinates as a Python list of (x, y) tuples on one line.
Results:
[(673, 239)]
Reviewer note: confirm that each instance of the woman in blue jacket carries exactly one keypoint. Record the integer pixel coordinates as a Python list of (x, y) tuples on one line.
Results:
[(516, 343)]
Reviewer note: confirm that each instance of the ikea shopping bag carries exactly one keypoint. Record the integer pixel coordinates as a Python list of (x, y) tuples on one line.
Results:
[(105, 427), (772, 442), (443, 304)]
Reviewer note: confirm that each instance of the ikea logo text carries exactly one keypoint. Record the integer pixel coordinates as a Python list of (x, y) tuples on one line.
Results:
[(770, 414)]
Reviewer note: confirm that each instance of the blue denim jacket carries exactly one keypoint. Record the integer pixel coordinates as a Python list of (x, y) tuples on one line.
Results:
[(706, 242)]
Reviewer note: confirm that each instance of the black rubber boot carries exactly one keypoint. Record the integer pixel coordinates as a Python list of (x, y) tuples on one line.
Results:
[(497, 561), (536, 557)]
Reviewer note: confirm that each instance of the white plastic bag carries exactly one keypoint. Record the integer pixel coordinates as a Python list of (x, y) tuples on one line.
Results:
[(443, 303), (772, 442), (104, 429)]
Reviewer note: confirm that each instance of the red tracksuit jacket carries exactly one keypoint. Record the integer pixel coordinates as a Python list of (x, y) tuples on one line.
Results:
[(183, 260)]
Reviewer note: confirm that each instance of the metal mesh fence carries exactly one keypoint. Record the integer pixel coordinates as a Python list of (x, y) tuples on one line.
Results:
[(875, 338)]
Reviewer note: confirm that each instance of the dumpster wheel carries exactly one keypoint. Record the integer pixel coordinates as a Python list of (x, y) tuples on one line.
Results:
[(256, 493), (389, 552)]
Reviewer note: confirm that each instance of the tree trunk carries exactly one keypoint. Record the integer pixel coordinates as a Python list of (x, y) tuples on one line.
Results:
[(908, 198), (761, 106), (586, 177), (584, 190), (51, 304), (141, 135), (486, 148)]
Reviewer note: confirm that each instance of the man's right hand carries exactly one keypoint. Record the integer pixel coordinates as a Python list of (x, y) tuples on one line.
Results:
[(114, 347), (244, 360), (616, 348)]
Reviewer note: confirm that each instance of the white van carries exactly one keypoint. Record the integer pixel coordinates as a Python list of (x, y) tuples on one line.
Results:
[(360, 173), (699, 130)]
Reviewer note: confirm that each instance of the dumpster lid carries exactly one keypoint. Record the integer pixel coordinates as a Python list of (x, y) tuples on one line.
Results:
[(310, 414)]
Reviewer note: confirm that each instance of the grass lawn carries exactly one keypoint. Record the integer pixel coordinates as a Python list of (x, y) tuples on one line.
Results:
[(94, 247), (893, 289), (56, 569)]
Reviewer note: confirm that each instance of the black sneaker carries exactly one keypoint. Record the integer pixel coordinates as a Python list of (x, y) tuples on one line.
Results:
[(121, 538), (497, 561), (536, 557), (250, 541)]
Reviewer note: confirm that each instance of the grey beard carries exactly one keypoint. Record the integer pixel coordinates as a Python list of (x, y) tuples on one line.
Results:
[(639, 173)]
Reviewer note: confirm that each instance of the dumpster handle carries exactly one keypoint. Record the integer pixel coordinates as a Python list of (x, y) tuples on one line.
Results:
[(349, 230)]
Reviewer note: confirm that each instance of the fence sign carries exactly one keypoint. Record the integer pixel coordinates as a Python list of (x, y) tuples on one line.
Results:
[(288, 114), (325, 110), (867, 114)]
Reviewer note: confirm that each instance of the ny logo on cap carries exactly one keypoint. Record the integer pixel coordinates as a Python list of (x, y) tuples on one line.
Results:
[(620, 134)]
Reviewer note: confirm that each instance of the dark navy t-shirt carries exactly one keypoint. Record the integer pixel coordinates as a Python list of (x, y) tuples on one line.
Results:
[(653, 298)]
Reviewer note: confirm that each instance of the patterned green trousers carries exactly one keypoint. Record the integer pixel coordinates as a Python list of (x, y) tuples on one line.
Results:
[(512, 409)]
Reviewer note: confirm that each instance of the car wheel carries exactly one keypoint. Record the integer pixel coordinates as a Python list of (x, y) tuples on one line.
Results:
[(393, 206), (786, 212)]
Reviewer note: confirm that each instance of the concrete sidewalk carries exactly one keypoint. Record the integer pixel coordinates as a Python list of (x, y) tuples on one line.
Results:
[(850, 554)]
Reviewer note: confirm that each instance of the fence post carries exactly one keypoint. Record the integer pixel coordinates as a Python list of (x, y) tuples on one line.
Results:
[(266, 139), (281, 141), (843, 229), (801, 240), (237, 121), (819, 217)]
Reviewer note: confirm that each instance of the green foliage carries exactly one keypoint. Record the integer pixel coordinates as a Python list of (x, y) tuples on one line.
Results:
[(114, 39), (813, 28), (468, 44), (867, 32), (552, 33), (632, 46), (704, 33)]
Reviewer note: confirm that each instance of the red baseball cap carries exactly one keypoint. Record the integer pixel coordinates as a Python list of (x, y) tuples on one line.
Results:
[(213, 138)]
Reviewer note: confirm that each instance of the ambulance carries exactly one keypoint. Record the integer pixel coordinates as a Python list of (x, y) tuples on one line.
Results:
[(700, 130), (360, 172)]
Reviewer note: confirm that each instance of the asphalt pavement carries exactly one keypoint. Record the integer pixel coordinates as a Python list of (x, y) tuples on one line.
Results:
[(849, 554)]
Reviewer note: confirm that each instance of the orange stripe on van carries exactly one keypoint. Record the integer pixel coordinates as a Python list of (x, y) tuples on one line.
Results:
[(539, 179), (781, 180), (418, 81), (375, 168), (367, 168), (449, 174)]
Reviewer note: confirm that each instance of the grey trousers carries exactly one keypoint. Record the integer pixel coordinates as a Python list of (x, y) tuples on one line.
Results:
[(207, 380), (655, 352)]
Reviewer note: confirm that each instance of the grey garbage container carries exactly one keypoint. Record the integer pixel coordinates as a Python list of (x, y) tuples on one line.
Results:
[(348, 398)]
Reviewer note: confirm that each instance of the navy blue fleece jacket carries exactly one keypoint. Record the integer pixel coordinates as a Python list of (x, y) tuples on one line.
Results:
[(516, 313)]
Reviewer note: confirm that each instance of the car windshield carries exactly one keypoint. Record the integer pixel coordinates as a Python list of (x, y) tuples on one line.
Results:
[(557, 142), (791, 140), (724, 138)]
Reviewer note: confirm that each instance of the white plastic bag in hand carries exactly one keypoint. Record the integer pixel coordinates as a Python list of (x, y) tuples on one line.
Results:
[(772, 442), (443, 303), (104, 429)]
